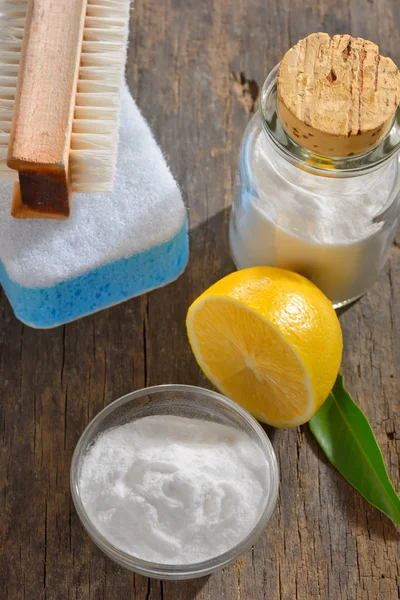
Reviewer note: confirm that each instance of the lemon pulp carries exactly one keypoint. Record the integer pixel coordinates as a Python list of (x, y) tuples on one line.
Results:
[(270, 340)]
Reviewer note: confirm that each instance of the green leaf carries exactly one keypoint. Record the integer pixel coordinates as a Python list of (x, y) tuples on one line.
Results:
[(344, 434)]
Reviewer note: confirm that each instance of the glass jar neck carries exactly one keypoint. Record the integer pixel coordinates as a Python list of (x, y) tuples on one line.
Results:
[(325, 166)]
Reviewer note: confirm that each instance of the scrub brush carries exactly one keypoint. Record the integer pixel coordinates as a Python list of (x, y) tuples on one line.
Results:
[(61, 70)]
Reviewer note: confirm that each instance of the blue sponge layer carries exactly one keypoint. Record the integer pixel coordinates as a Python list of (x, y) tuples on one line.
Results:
[(100, 288)]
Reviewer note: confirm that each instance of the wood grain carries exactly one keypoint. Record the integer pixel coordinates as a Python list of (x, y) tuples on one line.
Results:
[(44, 107), (324, 541)]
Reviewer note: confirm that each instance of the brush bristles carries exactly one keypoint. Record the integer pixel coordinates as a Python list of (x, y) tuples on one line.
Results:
[(95, 127)]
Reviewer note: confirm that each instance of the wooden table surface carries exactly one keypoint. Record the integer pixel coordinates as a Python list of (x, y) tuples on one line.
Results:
[(324, 541)]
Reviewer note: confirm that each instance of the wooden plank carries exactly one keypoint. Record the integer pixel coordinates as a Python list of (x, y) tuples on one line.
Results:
[(324, 541), (44, 107)]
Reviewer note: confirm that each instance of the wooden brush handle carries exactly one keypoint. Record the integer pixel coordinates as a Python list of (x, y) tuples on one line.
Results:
[(44, 107)]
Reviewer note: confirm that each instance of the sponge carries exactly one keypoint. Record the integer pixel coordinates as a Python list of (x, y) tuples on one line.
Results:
[(113, 247)]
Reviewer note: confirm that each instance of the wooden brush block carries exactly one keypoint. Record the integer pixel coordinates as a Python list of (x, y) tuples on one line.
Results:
[(337, 96), (44, 107), (44, 197)]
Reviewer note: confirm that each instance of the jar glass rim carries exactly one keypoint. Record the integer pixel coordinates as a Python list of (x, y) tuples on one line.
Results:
[(298, 155)]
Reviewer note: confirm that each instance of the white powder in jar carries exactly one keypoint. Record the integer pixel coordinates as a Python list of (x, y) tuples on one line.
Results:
[(174, 490), (321, 227)]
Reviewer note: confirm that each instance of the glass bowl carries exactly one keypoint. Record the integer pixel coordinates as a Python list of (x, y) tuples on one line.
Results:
[(184, 401)]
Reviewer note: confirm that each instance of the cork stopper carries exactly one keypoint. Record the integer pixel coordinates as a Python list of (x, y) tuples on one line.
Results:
[(337, 96)]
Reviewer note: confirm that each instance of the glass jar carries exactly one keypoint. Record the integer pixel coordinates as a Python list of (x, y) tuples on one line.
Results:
[(330, 219)]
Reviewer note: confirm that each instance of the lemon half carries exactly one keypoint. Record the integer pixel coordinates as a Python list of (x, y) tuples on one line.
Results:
[(270, 340)]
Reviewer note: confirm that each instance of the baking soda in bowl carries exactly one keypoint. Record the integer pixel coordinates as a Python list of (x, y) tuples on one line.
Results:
[(174, 490)]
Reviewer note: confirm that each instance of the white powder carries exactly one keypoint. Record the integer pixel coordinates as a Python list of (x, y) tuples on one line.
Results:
[(174, 490), (320, 227)]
